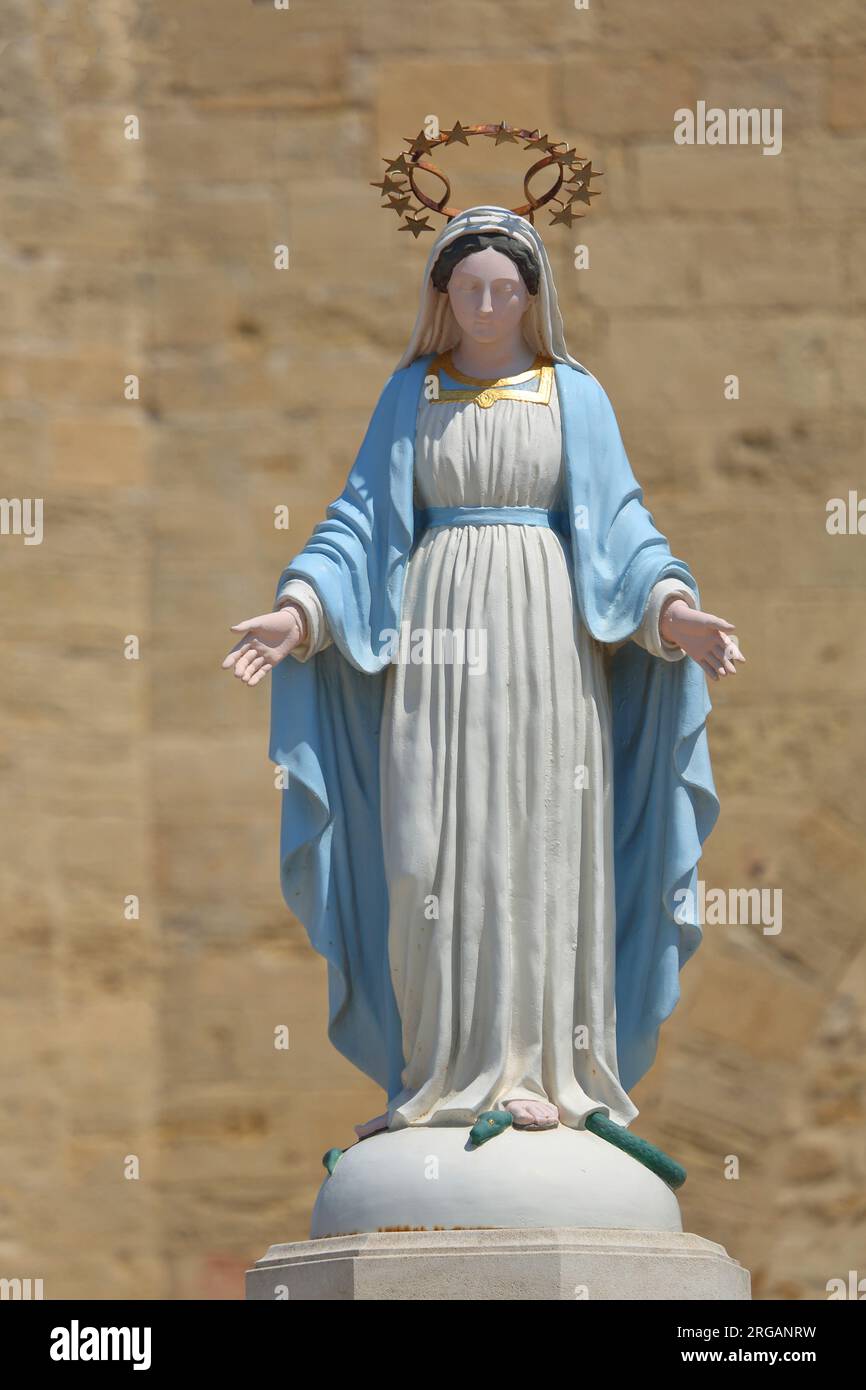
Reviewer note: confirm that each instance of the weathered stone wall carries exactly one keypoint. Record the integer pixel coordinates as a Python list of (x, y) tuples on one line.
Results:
[(155, 257)]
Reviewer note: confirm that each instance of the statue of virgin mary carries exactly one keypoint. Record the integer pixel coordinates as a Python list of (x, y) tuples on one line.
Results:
[(489, 698)]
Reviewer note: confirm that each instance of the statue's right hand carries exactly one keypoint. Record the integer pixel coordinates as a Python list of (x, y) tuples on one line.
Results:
[(264, 642)]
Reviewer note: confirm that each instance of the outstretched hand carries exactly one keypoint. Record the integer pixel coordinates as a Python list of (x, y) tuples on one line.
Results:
[(706, 638), (264, 643)]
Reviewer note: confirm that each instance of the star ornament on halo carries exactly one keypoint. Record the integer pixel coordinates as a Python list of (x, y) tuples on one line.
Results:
[(566, 215), (420, 144), (505, 134), (396, 166), (400, 204), (415, 225), (584, 174), (457, 135), (568, 158), (389, 186)]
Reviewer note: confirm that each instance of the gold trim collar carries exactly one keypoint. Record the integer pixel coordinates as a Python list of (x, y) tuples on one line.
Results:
[(485, 392)]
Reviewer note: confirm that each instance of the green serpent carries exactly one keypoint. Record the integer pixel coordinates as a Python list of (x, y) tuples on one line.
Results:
[(646, 1153), (493, 1122)]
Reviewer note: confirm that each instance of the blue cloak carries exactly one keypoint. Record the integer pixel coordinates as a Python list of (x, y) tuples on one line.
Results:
[(326, 715)]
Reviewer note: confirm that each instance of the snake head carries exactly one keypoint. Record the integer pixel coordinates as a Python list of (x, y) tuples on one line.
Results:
[(488, 1125)]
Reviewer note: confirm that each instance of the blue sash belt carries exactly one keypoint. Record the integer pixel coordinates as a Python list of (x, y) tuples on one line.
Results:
[(492, 516)]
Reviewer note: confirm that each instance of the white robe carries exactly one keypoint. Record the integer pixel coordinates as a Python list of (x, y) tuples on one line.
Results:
[(496, 782)]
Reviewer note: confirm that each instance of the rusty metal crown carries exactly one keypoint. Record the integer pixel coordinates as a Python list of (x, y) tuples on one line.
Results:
[(399, 184)]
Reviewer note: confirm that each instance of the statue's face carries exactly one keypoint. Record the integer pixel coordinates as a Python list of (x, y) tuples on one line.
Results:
[(488, 296)]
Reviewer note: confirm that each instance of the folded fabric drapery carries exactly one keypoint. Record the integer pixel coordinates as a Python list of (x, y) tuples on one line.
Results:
[(327, 716)]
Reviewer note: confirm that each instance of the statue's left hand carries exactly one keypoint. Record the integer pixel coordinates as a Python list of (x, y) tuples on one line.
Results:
[(706, 638)]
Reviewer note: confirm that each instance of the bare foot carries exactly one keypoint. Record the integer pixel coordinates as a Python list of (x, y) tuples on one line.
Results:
[(379, 1122), (532, 1114)]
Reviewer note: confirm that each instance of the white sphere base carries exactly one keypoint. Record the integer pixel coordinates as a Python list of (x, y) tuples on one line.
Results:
[(430, 1179)]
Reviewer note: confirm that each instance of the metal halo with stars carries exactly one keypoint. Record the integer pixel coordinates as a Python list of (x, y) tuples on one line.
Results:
[(399, 187)]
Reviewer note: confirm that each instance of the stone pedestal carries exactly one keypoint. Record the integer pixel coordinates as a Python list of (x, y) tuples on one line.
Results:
[(554, 1264), (419, 1213)]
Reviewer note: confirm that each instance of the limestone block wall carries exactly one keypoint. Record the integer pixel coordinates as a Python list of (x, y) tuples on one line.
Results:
[(153, 1139)]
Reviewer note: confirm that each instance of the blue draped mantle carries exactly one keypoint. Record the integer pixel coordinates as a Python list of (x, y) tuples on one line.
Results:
[(326, 716)]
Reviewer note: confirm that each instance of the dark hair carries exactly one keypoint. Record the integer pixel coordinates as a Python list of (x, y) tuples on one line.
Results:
[(470, 242)]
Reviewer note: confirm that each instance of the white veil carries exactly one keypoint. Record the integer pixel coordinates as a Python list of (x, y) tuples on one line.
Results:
[(436, 328)]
